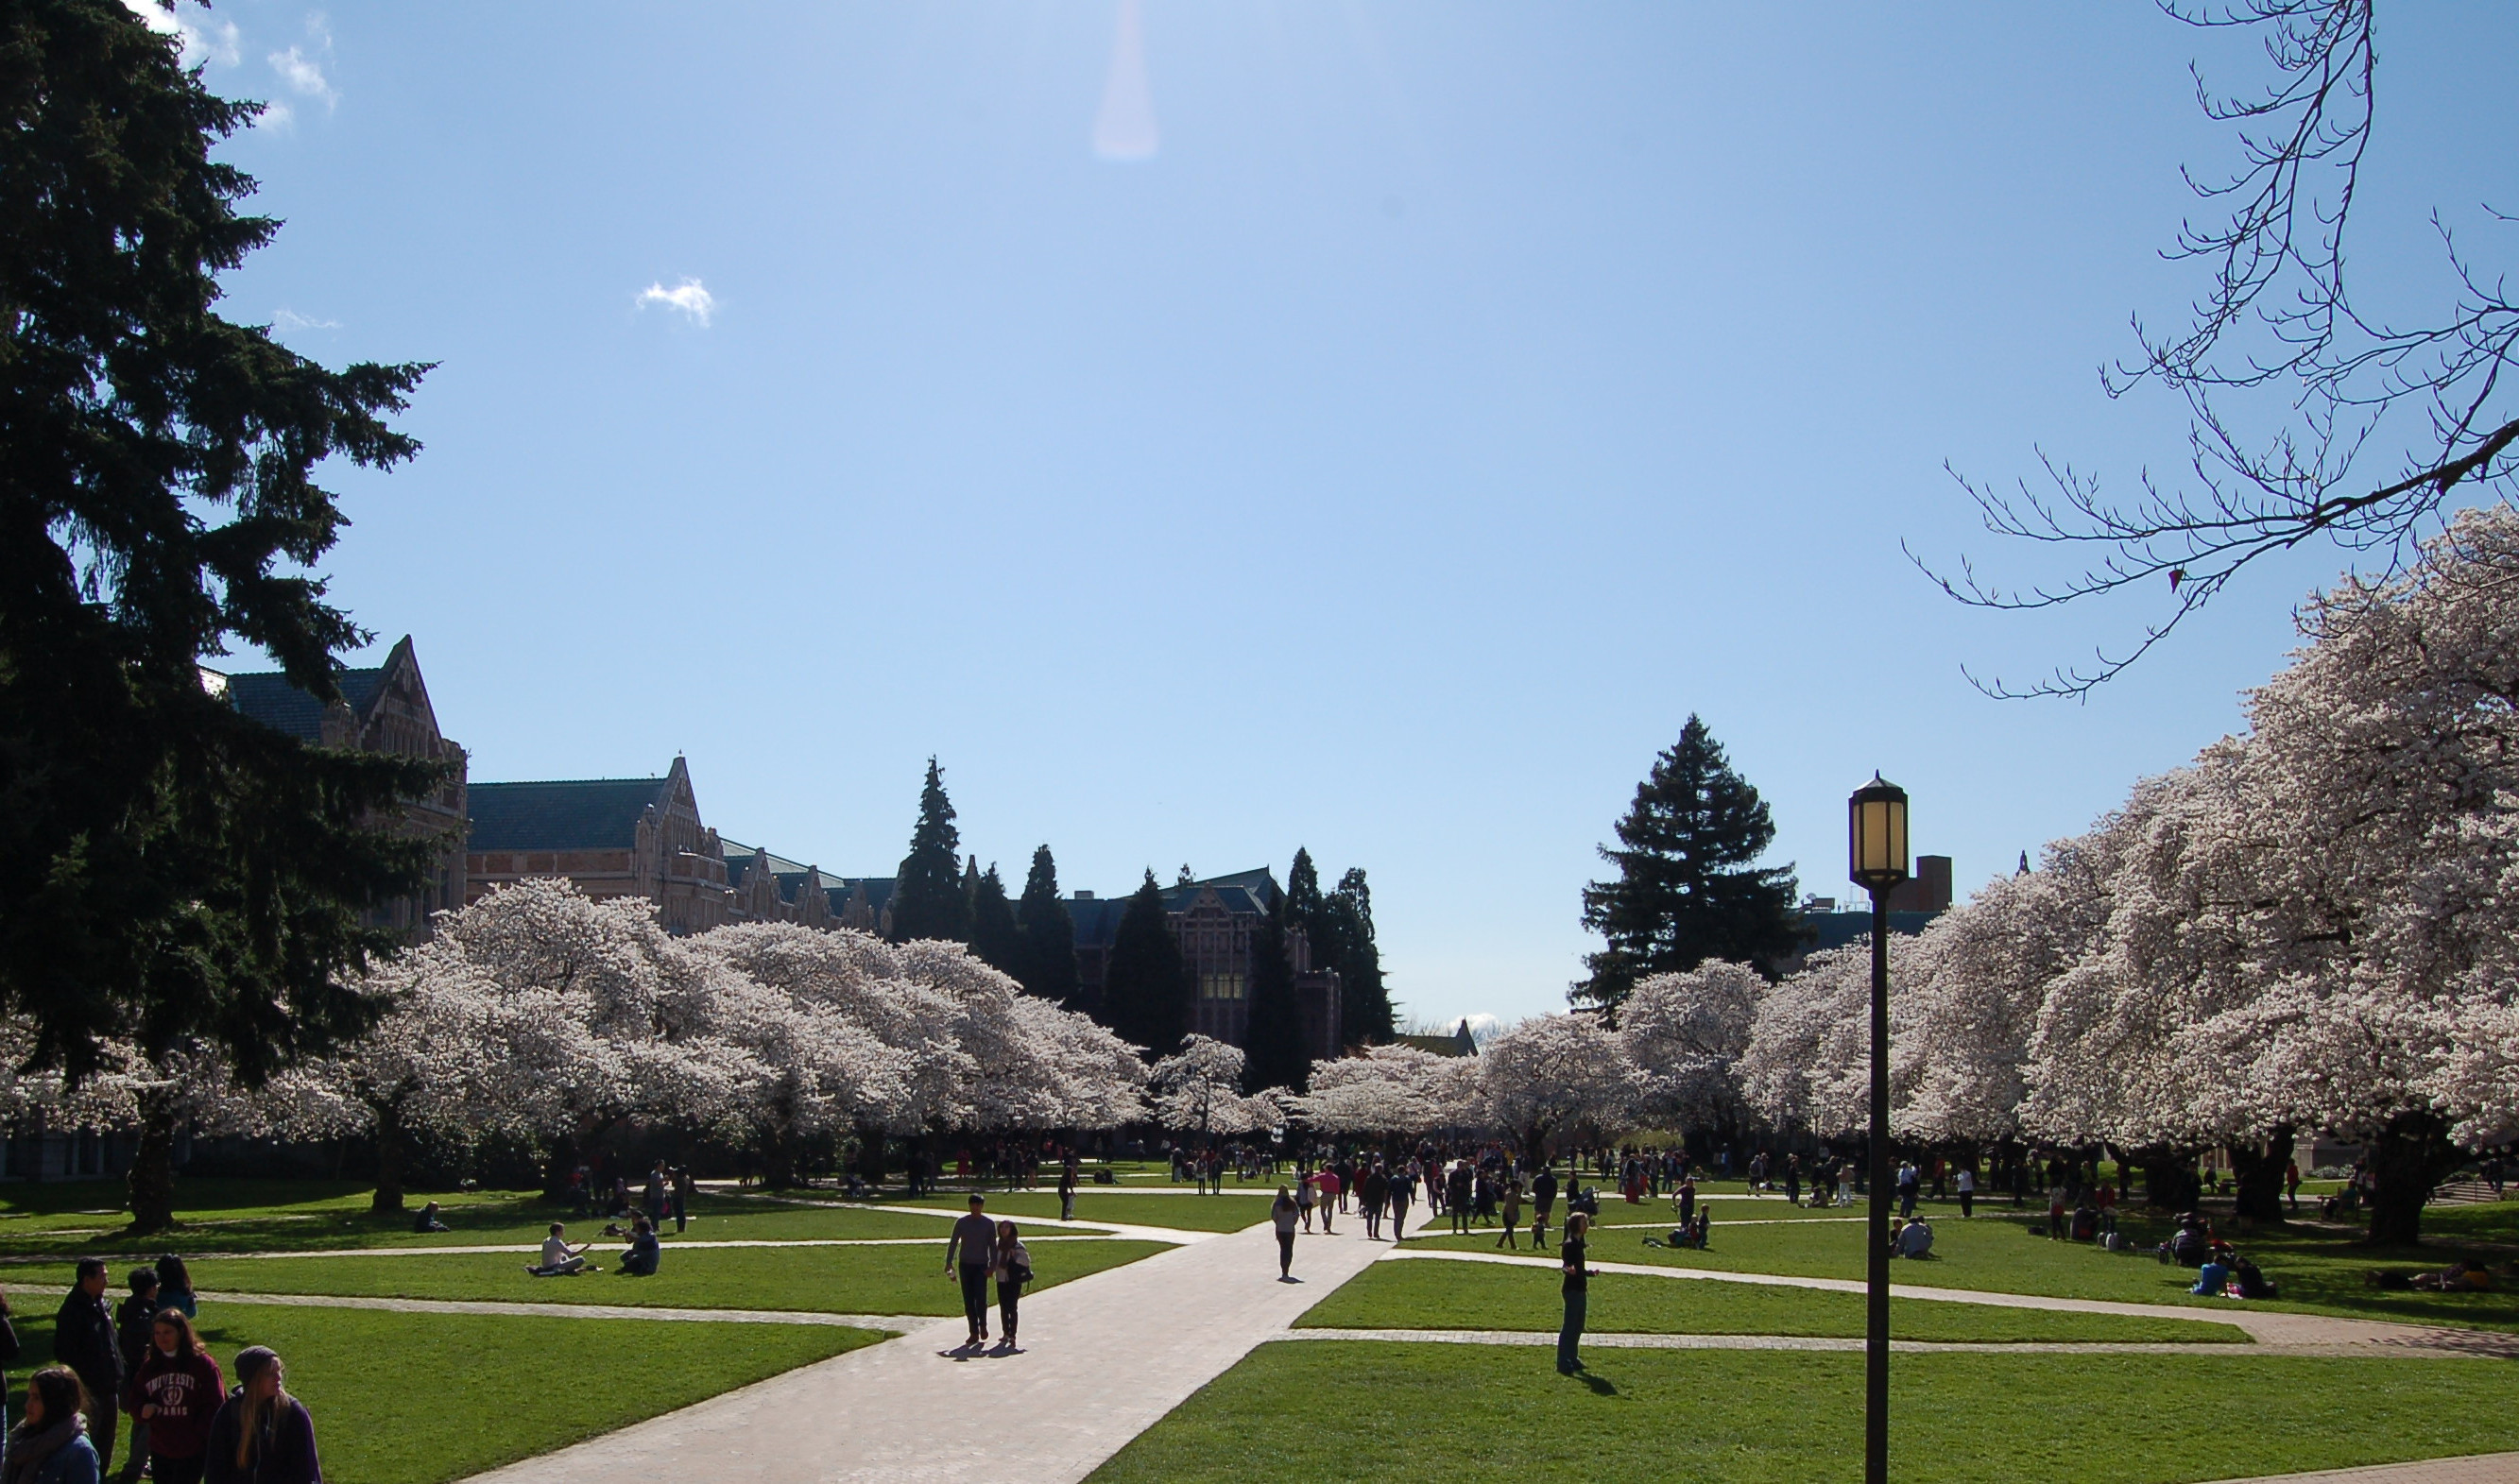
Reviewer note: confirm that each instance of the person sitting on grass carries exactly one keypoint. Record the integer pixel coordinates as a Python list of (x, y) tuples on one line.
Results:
[(2212, 1278), (560, 1259), (640, 1258), (428, 1221), (2193, 1243), (1912, 1238)]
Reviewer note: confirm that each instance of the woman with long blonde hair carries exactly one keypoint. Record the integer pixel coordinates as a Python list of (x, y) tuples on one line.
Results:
[(262, 1435)]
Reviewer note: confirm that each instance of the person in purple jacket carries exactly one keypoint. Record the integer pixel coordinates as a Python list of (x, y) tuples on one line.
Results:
[(261, 1435)]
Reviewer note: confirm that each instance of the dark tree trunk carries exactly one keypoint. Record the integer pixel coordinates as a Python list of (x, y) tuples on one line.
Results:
[(393, 1143), (153, 1166), (2169, 1180), (2406, 1162), (2258, 1171)]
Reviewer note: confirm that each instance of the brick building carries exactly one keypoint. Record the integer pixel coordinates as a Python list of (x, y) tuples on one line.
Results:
[(1212, 921), (614, 837)]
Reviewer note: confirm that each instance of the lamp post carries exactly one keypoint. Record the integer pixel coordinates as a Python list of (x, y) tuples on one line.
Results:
[(1876, 820)]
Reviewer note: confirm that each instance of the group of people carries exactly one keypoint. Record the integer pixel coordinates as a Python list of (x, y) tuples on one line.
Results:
[(146, 1360), (666, 1195), (640, 1259), (2220, 1270), (980, 1252)]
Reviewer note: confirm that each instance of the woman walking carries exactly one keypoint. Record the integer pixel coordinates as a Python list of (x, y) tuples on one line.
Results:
[(261, 1435), (1306, 1195), (1569, 1333), (1512, 1213), (1012, 1270), (1284, 1214), (173, 1393), (50, 1446)]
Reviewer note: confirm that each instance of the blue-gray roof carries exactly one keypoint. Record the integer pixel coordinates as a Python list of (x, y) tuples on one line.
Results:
[(572, 815), (267, 697)]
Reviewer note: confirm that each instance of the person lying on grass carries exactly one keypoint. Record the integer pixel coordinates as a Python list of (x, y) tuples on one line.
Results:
[(560, 1259)]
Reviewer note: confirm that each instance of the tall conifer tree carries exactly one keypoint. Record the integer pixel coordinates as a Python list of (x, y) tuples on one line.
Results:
[(995, 938), (1048, 933), (1145, 987), (927, 897), (1273, 1041), (1364, 1000), (1688, 886)]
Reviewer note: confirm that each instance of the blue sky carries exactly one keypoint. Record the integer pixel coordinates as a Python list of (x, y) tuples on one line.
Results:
[(1454, 399)]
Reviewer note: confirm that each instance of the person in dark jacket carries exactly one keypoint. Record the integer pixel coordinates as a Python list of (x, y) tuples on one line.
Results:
[(261, 1434), (175, 1287), (83, 1339), (133, 1319), (640, 1259), (9, 1353), (172, 1392), (52, 1445)]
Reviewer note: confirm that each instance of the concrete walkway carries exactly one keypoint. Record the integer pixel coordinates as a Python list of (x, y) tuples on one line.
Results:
[(2266, 1327), (1611, 1341), (896, 1324), (2474, 1468), (1106, 1357)]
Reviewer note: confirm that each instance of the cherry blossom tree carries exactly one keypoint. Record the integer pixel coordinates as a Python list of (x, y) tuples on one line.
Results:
[(1684, 1034), (1551, 1074), (1198, 1089), (1390, 1089)]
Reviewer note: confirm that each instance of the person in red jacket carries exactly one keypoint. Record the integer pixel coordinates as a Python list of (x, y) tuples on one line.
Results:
[(174, 1392)]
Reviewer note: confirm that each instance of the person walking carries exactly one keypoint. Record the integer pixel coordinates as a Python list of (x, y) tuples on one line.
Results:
[(84, 1340), (1544, 1196), (54, 1444), (974, 1240), (1306, 1194), (1966, 1181), (261, 1434), (1403, 1189), (1067, 1190), (2292, 1180), (1332, 1196), (1576, 1290), (1373, 1193), (1456, 1197), (133, 1320), (173, 1393), (1282, 1213), (1012, 1269), (1512, 1213)]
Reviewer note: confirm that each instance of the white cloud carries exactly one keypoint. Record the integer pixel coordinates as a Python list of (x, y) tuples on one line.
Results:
[(1484, 1027), (687, 296), (289, 319), (303, 76), (204, 39), (275, 115)]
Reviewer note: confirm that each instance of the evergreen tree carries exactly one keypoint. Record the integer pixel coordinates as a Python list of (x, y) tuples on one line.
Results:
[(928, 900), (1145, 987), (1049, 935), (1273, 1041), (1304, 895), (1364, 1000), (172, 871), (995, 938), (1688, 889)]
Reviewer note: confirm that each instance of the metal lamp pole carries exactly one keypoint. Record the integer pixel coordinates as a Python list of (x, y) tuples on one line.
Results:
[(1877, 852)]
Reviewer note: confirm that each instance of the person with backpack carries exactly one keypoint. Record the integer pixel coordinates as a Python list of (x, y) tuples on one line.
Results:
[(261, 1434), (52, 1444), (1012, 1269), (173, 1393), (84, 1340)]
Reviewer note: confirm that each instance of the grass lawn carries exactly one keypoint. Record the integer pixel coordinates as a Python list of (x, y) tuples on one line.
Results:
[(1463, 1295), (421, 1398), (1355, 1411), (69, 1218), (2319, 1271), (820, 1280), (1189, 1213)]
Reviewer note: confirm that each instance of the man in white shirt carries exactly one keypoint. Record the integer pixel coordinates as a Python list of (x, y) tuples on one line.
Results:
[(559, 1258)]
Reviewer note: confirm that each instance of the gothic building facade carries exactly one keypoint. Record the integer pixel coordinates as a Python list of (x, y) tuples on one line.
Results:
[(614, 837), (1213, 922)]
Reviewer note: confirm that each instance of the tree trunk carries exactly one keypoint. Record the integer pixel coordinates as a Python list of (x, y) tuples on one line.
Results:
[(2407, 1162), (2169, 1181), (2259, 1170), (393, 1148), (153, 1166)]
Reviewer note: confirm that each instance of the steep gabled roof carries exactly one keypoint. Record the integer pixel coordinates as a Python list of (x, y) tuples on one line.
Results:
[(571, 815), (267, 697)]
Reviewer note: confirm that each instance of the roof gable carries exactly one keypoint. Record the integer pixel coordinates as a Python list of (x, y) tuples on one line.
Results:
[(570, 814)]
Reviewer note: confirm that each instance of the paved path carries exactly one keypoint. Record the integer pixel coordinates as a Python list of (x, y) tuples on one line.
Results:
[(2266, 1327), (2474, 1468), (1108, 1355), (1616, 1341), (898, 1324)]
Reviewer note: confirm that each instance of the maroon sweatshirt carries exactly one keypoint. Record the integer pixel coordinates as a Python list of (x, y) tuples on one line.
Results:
[(185, 1390)]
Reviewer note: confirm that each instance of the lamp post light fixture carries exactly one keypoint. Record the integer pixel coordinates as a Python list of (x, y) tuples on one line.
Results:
[(1876, 822)]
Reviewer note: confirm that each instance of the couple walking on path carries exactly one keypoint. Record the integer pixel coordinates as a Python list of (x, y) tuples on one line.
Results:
[(988, 1250)]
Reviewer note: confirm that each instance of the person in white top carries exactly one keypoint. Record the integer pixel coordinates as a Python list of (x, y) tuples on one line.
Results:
[(1967, 1191), (559, 1258)]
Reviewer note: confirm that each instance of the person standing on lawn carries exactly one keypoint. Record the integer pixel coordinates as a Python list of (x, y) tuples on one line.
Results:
[(173, 1393), (684, 1188), (1282, 1213), (84, 1340), (53, 1445), (1512, 1212), (1576, 1290), (975, 1241), (261, 1434), (1965, 1180), (1067, 1188), (133, 1320), (175, 1286)]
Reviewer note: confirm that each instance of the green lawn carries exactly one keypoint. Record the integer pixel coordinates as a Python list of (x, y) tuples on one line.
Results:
[(267, 1216), (1465, 1295), (2318, 1272), (822, 1280), (423, 1398), (1190, 1214), (1335, 1410)]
